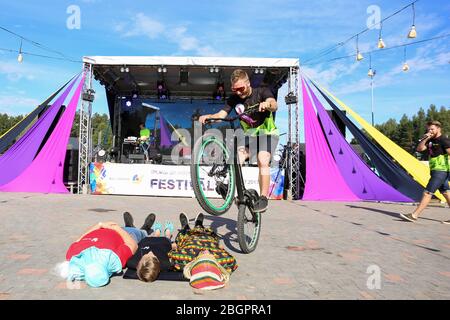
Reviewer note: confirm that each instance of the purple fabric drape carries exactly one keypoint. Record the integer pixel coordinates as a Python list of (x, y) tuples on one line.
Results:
[(165, 133), (362, 181), (324, 181), (17, 158), (45, 174)]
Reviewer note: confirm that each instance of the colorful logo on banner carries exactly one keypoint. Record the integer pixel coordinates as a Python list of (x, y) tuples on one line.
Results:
[(137, 179), (276, 183), (97, 173)]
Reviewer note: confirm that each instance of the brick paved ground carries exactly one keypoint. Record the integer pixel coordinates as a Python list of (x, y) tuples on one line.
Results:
[(307, 250)]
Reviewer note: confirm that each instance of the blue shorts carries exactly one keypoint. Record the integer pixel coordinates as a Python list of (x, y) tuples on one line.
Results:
[(439, 180)]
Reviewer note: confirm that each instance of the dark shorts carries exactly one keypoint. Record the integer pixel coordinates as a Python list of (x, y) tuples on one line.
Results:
[(439, 181)]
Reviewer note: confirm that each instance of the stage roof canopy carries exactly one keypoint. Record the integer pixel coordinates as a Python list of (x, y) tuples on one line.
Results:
[(185, 77)]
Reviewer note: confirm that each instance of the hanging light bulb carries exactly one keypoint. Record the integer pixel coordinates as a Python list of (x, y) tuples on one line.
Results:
[(381, 44), (405, 67), (371, 72), (20, 56), (413, 33), (359, 56)]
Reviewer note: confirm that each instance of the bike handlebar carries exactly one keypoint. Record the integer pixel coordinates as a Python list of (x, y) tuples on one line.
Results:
[(250, 110)]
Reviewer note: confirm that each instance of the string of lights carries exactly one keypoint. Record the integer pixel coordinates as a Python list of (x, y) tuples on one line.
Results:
[(373, 51), (40, 55), (36, 44), (411, 34)]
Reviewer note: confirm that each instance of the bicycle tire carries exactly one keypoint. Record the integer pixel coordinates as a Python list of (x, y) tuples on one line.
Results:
[(248, 243), (201, 197)]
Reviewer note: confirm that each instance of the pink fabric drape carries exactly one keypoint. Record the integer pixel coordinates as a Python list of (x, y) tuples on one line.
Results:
[(324, 181), (45, 173)]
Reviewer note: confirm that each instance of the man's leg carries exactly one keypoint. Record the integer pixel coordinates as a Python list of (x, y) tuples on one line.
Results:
[(426, 198), (135, 233), (264, 172), (437, 179)]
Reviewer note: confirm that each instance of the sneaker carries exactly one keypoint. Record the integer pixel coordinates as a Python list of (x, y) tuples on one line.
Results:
[(128, 219), (148, 223), (184, 220), (446, 222), (222, 189), (199, 219), (261, 205), (408, 217)]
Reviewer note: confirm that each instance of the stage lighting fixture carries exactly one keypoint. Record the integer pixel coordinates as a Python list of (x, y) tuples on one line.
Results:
[(291, 98), (161, 89), (128, 103), (162, 69), (214, 69), (124, 69), (88, 95), (219, 93)]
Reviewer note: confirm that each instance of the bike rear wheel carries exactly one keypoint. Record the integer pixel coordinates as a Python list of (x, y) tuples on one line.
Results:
[(248, 228), (210, 167)]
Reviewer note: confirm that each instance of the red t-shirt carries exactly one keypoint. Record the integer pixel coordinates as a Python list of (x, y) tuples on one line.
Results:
[(102, 239)]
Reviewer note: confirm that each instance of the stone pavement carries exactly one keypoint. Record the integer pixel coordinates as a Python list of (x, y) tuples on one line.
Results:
[(307, 250)]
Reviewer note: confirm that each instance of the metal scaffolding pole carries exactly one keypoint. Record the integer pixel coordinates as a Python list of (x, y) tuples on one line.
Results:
[(295, 145), (293, 170), (85, 143)]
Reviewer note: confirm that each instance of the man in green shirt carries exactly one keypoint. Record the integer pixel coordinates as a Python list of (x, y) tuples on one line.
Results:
[(144, 139), (438, 148)]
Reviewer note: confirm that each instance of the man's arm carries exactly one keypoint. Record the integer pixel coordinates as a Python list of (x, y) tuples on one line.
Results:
[(270, 104), (129, 241), (421, 147), (99, 225), (219, 115)]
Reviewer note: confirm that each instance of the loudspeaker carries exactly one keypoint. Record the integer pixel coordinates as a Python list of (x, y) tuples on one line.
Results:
[(71, 166), (136, 158)]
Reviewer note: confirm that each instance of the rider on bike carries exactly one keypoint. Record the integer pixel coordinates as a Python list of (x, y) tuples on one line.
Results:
[(259, 131)]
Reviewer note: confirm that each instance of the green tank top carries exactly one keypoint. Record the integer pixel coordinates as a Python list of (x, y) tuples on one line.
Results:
[(268, 127)]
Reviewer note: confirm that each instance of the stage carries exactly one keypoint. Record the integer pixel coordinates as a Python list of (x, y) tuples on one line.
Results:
[(164, 180)]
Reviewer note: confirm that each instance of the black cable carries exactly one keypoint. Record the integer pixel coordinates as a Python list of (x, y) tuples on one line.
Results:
[(340, 44), (378, 50), (40, 55), (37, 44)]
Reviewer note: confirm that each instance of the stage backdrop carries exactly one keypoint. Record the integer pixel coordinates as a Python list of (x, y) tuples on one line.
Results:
[(164, 180)]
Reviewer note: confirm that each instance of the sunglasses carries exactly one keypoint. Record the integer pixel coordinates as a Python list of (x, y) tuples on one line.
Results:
[(240, 89)]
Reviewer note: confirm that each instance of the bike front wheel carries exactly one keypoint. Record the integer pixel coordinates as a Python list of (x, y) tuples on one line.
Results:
[(248, 228), (212, 175)]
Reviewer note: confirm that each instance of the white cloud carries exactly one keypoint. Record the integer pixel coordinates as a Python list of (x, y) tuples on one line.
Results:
[(15, 105), (15, 71), (142, 25)]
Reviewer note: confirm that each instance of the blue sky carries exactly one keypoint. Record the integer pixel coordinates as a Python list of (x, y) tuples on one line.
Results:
[(266, 28)]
